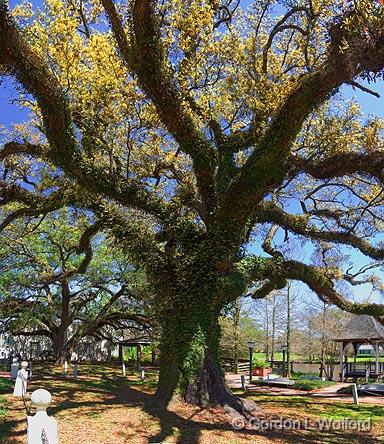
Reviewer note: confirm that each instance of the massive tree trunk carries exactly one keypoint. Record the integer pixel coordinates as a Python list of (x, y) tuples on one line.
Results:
[(59, 347), (59, 335), (189, 360), (192, 299)]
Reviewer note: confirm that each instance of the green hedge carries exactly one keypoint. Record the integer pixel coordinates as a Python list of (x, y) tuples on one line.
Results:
[(305, 384)]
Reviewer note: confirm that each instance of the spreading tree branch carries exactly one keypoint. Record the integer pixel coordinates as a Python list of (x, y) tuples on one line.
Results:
[(369, 164), (277, 271), (269, 212), (147, 58), (31, 71), (268, 164)]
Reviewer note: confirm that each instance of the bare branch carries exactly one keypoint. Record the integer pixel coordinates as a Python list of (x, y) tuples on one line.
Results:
[(364, 88)]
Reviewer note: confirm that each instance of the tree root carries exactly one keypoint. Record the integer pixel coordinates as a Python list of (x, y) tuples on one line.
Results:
[(238, 407)]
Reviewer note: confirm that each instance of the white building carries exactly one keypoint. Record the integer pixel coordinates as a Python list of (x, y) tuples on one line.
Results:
[(40, 347)]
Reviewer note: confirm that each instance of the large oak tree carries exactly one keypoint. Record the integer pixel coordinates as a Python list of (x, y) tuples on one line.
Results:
[(61, 279), (191, 129)]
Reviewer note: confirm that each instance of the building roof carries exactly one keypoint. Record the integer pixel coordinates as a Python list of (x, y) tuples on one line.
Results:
[(369, 348), (363, 328), (366, 347)]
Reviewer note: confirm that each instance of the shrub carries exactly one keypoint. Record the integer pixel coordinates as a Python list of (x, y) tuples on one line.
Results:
[(260, 363)]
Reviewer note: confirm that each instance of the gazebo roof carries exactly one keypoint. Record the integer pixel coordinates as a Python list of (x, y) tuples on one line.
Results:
[(363, 329), (133, 342)]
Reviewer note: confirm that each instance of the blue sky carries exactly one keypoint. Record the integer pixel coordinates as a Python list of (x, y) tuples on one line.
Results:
[(11, 113)]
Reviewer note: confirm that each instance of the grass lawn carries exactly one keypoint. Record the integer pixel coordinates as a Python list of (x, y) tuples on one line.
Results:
[(3, 411), (6, 386), (298, 358), (365, 359), (278, 356), (102, 407)]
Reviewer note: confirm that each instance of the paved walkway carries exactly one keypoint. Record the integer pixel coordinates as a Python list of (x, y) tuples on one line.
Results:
[(234, 381), (6, 375)]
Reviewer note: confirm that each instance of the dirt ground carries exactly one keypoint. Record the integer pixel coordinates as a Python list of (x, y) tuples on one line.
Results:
[(102, 407)]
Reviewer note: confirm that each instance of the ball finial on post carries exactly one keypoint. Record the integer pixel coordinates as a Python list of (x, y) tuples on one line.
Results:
[(41, 399), (41, 427)]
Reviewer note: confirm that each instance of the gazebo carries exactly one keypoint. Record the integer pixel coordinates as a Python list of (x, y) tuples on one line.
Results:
[(135, 342), (361, 330)]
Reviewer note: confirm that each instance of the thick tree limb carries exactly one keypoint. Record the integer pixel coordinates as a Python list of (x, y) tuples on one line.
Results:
[(269, 212), (257, 268), (37, 205), (323, 286), (119, 32), (266, 167), (117, 295), (13, 148), (32, 72), (16, 215), (39, 332), (156, 79), (369, 164), (267, 244), (268, 287), (85, 247)]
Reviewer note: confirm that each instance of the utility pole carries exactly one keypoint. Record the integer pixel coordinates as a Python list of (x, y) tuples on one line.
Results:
[(273, 333), (289, 307), (266, 331), (236, 333)]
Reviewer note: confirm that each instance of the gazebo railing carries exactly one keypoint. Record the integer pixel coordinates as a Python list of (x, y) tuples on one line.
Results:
[(364, 369)]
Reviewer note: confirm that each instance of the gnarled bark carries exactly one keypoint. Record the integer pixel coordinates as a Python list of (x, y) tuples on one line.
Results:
[(190, 366)]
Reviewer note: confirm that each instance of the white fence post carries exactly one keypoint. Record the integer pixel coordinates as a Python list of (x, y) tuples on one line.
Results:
[(14, 368), (355, 394), (30, 369), (41, 428), (20, 388), (123, 368), (65, 372), (142, 375)]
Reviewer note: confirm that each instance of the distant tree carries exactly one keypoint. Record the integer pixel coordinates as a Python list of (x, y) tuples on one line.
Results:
[(271, 314), (291, 301), (60, 278), (326, 325), (238, 327)]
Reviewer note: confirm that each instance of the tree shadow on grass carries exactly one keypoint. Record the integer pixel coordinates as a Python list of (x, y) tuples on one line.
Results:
[(190, 429), (11, 429), (8, 429), (117, 391)]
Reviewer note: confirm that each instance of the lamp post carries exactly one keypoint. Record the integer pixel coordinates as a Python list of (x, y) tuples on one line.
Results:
[(283, 349), (251, 345)]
